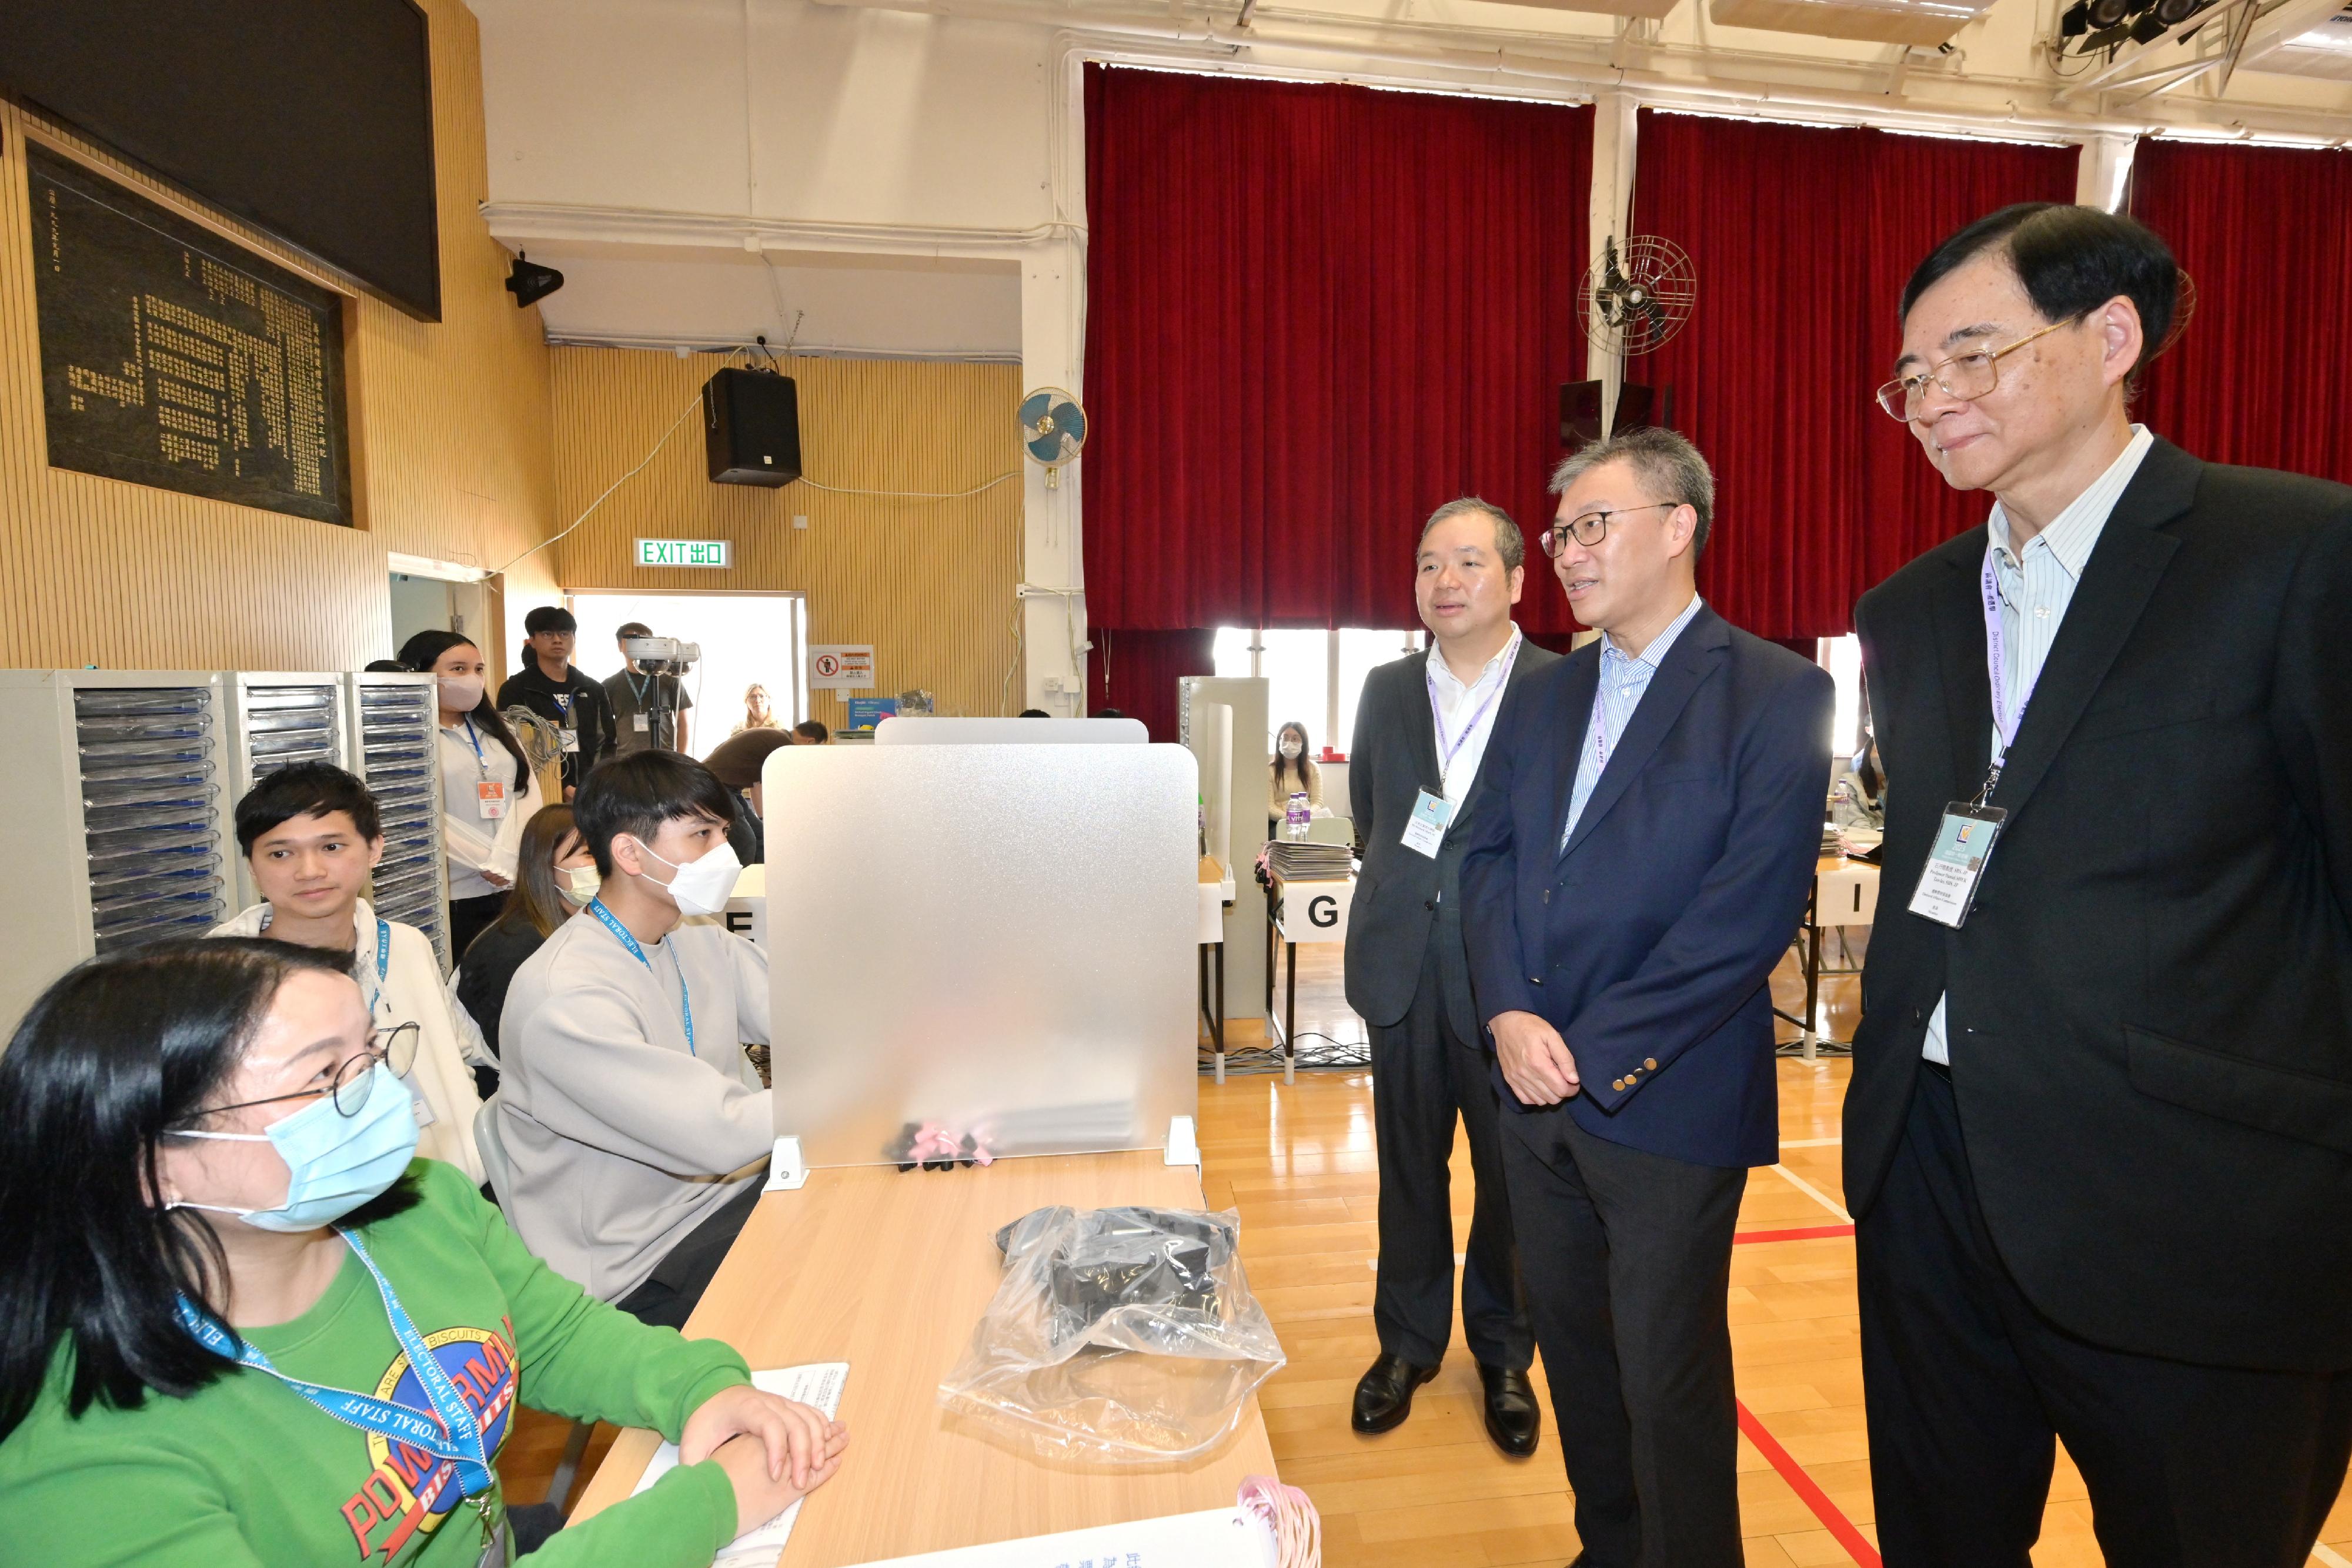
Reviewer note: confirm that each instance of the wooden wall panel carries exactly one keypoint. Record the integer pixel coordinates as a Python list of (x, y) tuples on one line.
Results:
[(450, 453), (928, 582)]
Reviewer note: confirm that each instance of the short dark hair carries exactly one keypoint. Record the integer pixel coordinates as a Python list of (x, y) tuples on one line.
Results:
[(2071, 260), (1668, 463), (1032, 713), (304, 790), (549, 618), (113, 1054), (1509, 543), (812, 730), (632, 629), (637, 793)]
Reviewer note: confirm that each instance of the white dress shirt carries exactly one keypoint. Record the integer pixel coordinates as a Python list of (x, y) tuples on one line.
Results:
[(2036, 586), (1474, 705)]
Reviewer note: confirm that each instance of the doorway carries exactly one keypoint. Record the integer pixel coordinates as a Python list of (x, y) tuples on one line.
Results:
[(429, 602), (747, 639)]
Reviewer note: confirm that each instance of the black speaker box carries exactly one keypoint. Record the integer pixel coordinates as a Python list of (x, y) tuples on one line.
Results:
[(751, 428)]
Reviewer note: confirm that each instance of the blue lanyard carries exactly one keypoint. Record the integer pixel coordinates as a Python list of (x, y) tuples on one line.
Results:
[(482, 758), (685, 1002), (382, 959), (452, 1431)]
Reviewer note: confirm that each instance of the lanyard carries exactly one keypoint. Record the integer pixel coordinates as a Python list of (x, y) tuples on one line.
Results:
[(383, 961), (482, 758), (452, 1431), (637, 685), (685, 1002), (1447, 751), (2005, 723)]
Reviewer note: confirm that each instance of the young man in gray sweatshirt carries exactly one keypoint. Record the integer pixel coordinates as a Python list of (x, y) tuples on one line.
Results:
[(637, 1128)]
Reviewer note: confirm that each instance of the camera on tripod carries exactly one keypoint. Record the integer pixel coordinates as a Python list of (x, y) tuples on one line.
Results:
[(660, 656)]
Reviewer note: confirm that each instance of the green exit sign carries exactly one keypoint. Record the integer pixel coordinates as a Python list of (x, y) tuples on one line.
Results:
[(681, 552)]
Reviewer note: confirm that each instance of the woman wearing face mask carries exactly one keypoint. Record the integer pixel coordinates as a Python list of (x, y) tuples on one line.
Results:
[(250, 1329), (555, 876), (488, 789), (1294, 771)]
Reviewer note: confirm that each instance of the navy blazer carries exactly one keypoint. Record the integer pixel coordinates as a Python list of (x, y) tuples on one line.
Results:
[(1651, 938)]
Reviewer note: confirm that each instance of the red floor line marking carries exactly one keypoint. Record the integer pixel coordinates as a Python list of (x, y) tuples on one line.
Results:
[(1801, 1233), (1857, 1545)]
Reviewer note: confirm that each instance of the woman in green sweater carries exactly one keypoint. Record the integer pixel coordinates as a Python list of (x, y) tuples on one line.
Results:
[(241, 1325)]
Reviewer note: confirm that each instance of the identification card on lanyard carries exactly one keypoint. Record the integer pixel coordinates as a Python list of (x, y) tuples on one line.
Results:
[(492, 793), (1424, 831), (570, 721), (685, 1001), (1964, 838), (452, 1431)]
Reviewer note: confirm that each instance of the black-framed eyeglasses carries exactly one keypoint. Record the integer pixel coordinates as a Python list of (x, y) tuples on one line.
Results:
[(1589, 528), (394, 1047)]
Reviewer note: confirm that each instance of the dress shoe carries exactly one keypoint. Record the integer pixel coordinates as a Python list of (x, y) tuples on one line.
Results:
[(1513, 1418), (1384, 1394)]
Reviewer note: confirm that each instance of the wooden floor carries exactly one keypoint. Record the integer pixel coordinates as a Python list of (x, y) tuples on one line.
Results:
[(1297, 1162)]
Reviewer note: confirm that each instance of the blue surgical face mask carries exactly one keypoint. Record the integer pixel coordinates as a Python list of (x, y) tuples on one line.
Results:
[(334, 1163)]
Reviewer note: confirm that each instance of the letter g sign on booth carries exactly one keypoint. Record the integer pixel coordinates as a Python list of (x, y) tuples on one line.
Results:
[(1315, 911)]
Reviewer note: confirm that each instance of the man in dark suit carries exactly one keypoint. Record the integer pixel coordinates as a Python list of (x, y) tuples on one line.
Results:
[(1422, 728), (1649, 817), (2099, 1136)]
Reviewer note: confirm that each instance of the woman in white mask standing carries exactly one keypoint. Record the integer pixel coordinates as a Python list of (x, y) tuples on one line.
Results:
[(555, 876), (246, 1325), (488, 789), (1295, 772)]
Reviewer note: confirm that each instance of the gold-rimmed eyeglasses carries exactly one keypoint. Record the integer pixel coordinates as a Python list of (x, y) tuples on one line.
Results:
[(1966, 377), (1590, 528), (394, 1047)]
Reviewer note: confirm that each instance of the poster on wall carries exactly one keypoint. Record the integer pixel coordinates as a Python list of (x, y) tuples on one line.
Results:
[(174, 356), (842, 667)]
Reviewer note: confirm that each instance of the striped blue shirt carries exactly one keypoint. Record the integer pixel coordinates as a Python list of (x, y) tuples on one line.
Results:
[(1625, 678), (2037, 583)]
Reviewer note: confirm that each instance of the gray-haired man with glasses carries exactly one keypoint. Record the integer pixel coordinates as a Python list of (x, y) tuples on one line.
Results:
[(2099, 1134), (1647, 823)]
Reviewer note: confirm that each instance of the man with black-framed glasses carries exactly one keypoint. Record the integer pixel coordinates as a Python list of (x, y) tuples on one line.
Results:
[(2099, 1133), (1648, 819)]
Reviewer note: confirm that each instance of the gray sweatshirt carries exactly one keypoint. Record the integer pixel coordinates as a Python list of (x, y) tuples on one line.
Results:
[(623, 1139)]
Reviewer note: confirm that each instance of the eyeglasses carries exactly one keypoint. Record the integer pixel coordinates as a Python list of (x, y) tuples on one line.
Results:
[(1589, 528), (1966, 377), (394, 1047)]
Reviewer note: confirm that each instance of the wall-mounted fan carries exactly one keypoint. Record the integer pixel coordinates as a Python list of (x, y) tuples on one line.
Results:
[(1053, 428), (1637, 295)]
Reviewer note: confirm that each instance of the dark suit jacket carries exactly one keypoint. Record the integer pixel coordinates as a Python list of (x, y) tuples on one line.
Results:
[(1650, 939), (2150, 1016), (1392, 758)]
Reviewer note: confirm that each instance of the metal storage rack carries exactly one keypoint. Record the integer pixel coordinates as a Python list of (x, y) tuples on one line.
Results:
[(282, 719), (390, 725), (118, 834)]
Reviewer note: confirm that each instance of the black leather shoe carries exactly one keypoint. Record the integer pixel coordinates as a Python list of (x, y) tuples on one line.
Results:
[(1513, 1418), (1384, 1394)]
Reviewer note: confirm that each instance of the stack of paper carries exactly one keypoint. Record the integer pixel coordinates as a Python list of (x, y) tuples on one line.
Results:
[(1297, 862), (1220, 1538), (818, 1384)]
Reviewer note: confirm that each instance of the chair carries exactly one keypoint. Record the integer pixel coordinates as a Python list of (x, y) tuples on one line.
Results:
[(501, 1171)]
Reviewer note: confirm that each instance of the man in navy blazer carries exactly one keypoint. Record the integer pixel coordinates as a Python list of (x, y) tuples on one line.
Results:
[(1650, 815)]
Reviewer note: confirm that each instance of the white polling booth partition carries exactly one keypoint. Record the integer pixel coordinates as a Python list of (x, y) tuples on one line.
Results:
[(992, 943)]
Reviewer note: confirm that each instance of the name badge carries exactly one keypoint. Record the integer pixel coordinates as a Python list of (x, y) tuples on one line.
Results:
[(492, 793), (637, 722), (1432, 814), (1956, 863), (571, 740)]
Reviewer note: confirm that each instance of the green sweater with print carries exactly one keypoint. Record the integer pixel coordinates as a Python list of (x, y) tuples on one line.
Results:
[(247, 1472)]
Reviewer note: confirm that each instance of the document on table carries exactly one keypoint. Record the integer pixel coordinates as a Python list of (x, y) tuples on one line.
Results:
[(1219, 1538), (818, 1384)]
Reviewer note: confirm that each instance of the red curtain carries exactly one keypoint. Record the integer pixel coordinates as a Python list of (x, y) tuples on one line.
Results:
[(1802, 240), (1137, 672), (2265, 234), (1315, 313)]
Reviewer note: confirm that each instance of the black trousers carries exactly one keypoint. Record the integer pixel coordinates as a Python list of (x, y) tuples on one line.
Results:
[(675, 1288), (1422, 1077), (1968, 1385), (1627, 1259)]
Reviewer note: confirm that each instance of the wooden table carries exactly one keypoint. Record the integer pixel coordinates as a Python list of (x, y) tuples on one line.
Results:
[(890, 1272)]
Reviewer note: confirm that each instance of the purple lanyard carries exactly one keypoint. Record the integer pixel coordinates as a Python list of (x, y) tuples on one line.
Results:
[(1447, 752), (2004, 722)]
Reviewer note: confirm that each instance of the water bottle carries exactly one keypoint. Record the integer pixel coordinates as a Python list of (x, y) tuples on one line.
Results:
[(1297, 815)]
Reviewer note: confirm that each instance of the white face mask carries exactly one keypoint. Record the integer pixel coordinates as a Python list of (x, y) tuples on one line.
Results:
[(702, 886), (578, 885), (1291, 748), (461, 694)]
